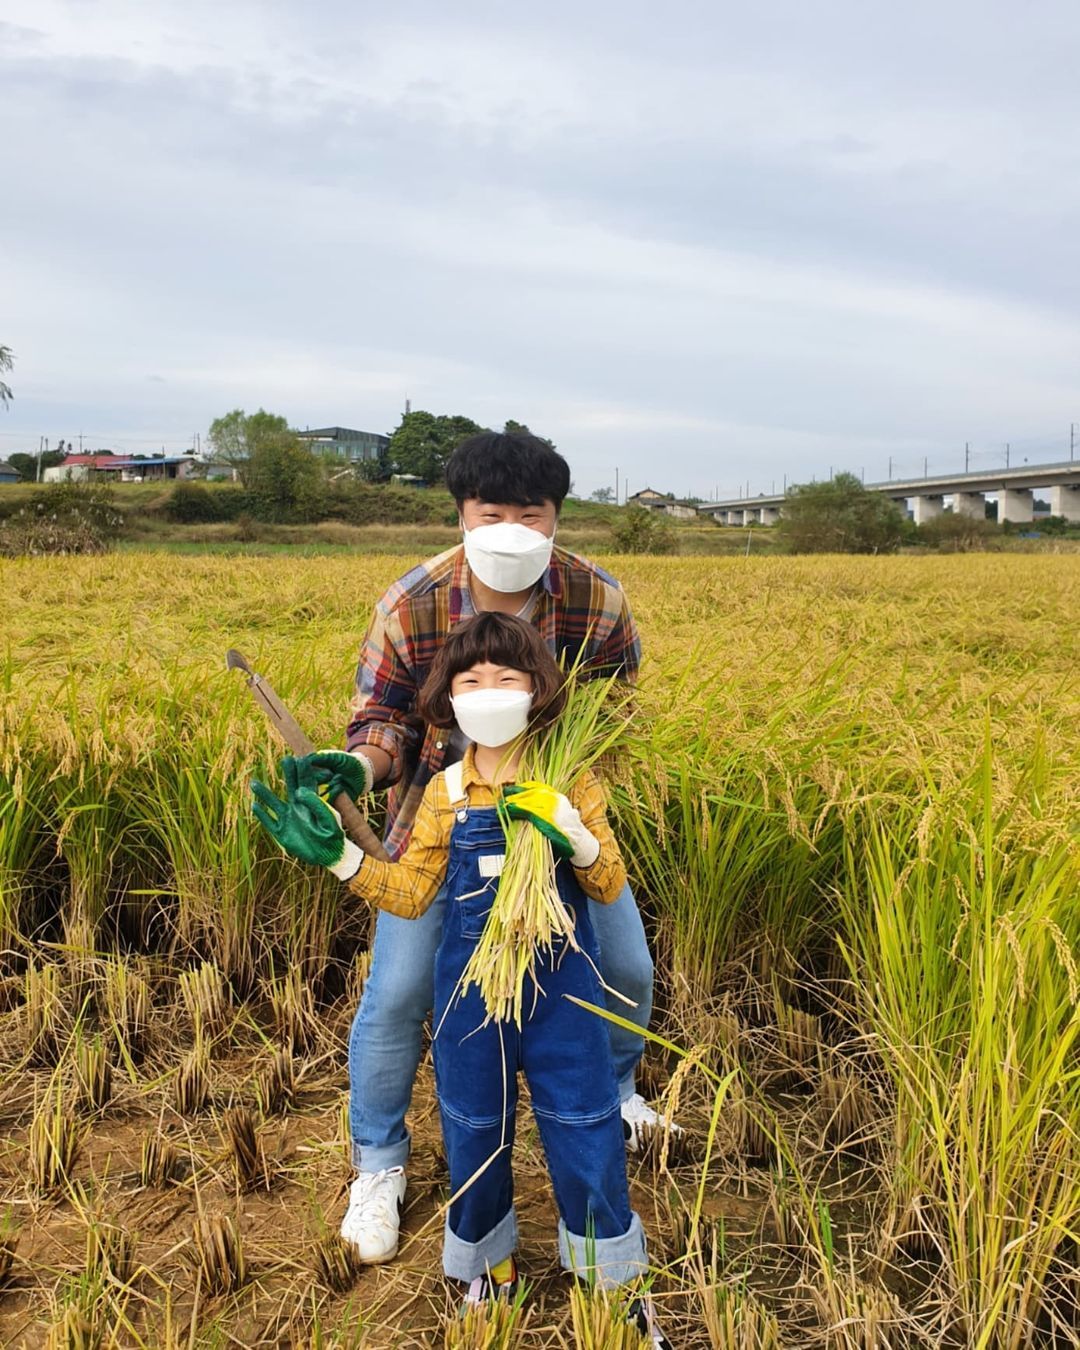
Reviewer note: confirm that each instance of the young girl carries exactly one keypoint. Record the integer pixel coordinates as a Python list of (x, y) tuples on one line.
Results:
[(495, 677)]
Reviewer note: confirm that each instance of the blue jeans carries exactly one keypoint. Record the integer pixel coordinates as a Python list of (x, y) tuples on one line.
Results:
[(385, 1040)]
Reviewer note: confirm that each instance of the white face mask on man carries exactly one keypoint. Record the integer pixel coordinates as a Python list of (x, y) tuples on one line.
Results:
[(492, 717), (507, 556)]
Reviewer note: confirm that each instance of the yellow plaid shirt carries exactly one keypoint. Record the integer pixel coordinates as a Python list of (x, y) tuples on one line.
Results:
[(408, 887)]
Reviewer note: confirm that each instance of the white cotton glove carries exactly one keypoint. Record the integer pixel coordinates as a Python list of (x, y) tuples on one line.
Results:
[(555, 816)]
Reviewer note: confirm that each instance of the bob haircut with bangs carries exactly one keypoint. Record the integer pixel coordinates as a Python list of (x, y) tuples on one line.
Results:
[(504, 641)]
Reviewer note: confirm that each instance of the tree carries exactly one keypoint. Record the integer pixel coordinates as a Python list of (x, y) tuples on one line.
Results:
[(284, 479), (642, 531), (841, 516), (604, 494), (7, 362), (512, 426), (27, 465), (235, 437), (423, 442)]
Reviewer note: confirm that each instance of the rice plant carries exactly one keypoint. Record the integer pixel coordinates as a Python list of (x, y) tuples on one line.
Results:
[(495, 1324), (93, 1073), (218, 1253), (275, 1083), (336, 1263), (46, 1013), (600, 1322), (160, 1161), (191, 1084), (245, 1149), (55, 1140)]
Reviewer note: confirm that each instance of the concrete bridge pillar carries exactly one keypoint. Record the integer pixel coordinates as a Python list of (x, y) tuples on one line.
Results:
[(1065, 501), (971, 504), (926, 508), (737, 517), (1016, 505), (770, 515)]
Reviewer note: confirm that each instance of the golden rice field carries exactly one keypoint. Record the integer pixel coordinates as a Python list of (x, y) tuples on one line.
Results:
[(850, 806)]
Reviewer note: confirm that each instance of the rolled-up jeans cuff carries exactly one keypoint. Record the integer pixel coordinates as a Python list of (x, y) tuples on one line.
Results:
[(627, 1088), (615, 1260), (380, 1157), (466, 1260)]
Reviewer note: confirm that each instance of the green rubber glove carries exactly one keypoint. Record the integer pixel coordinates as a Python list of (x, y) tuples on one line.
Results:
[(556, 817), (307, 829), (328, 772)]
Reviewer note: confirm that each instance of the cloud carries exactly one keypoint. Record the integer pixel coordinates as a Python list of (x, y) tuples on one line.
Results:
[(732, 236)]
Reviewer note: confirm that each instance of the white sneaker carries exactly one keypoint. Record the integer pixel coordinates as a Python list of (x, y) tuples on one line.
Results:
[(373, 1219), (639, 1121)]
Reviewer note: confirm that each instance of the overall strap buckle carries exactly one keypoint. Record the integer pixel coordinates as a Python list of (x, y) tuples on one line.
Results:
[(454, 777)]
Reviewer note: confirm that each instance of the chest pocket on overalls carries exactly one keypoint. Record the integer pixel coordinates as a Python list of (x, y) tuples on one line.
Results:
[(480, 858)]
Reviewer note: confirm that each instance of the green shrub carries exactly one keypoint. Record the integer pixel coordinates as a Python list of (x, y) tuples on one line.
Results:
[(642, 531), (955, 533), (361, 503), (193, 504), (67, 518)]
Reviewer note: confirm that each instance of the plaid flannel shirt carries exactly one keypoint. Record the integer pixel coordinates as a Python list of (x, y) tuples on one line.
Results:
[(580, 610)]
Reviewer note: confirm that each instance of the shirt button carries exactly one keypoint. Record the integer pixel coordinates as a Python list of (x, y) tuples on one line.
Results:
[(438, 745)]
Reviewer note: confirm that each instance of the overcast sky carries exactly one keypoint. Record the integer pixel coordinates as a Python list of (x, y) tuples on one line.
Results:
[(707, 243)]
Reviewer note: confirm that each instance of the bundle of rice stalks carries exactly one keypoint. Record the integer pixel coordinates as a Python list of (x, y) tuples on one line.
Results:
[(600, 1320), (245, 1149), (293, 1008), (83, 1314), (527, 915), (55, 1139), (847, 1108), (191, 1086), (110, 1250), (9, 1242), (275, 1083), (125, 998), (857, 1315), (336, 1263), (93, 1074), (45, 1016), (735, 1320), (496, 1324), (218, 1253), (206, 997), (160, 1162)]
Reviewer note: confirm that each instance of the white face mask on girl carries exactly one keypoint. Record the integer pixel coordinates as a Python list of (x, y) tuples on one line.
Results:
[(508, 557), (492, 717)]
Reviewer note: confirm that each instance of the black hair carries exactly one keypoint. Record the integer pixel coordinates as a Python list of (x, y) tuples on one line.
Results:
[(511, 467), (504, 641)]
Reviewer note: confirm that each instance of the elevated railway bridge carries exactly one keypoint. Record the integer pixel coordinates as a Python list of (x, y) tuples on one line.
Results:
[(1013, 488)]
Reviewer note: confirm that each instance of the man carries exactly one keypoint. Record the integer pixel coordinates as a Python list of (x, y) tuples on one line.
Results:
[(509, 489)]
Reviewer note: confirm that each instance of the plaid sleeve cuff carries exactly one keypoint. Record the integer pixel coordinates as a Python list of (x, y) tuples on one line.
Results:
[(381, 736)]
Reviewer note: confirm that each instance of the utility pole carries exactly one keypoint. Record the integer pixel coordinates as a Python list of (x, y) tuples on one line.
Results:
[(1006, 454), (80, 442), (785, 485), (1072, 440), (967, 455), (890, 468), (46, 440), (925, 467), (616, 485)]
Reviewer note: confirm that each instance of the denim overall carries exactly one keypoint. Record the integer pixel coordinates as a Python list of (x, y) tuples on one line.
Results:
[(565, 1053)]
